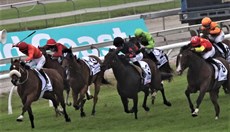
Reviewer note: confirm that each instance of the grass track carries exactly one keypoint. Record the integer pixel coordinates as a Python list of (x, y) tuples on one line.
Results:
[(111, 117)]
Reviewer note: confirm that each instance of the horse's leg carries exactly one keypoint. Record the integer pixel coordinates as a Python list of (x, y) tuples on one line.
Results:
[(75, 98), (166, 102), (213, 97), (144, 105), (96, 92), (26, 106), (82, 101), (67, 88), (135, 103), (60, 97), (125, 104), (55, 101), (187, 93), (31, 116), (198, 102)]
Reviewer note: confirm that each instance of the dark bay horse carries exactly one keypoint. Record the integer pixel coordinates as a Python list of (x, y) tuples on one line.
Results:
[(54, 64), (200, 77), (165, 69), (129, 80), (29, 88), (79, 77)]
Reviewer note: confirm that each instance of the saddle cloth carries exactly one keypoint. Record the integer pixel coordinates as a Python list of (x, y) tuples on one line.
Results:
[(147, 71), (45, 87), (160, 56), (93, 65), (227, 56), (220, 75)]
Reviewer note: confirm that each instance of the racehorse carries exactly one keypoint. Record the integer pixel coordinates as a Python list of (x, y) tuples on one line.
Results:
[(54, 64), (200, 77), (79, 77), (164, 68), (30, 88), (129, 80)]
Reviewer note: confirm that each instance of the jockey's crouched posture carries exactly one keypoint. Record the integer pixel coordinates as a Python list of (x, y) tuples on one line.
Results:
[(215, 34), (204, 47), (55, 47), (35, 57), (130, 50)]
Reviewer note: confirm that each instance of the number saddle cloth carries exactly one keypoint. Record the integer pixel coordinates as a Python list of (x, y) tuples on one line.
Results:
[(147, 70), (220, 75), (93, 65), (45, 87)]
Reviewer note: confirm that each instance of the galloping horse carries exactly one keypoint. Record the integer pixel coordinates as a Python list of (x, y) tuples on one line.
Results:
[(200, 77), (164, 68), (129, 79), (54, 64), (30, 88), (80, 77)]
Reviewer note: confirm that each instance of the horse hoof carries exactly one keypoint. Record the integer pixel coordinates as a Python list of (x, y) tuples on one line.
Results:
[(77, 107), (19, 120), (69, 104), (68, 120), (146, 108), (167, 103), (194, 115), (90, 97), (83, 114), (216, 118)]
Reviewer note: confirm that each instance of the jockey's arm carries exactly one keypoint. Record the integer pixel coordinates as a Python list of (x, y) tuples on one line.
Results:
[(30, 55), (215, 31), (200, 49), (151, 42)]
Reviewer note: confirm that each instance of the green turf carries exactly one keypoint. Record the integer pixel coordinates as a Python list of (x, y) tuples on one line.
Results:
[(67, 6), (111, 117)]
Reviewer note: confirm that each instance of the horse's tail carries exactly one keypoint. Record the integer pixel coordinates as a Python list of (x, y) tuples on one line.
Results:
[(166, 76)]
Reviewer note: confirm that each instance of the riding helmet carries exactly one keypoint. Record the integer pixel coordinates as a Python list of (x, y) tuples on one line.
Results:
[(51, 42), (195, 41), (138, 32), (22, 46), (206, 21), (118, 41)]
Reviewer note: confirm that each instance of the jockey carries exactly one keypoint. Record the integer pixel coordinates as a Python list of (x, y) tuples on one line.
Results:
[(35, 57), (130, 50), (204, 46), (55, 47), (147, 41), (216, 35)]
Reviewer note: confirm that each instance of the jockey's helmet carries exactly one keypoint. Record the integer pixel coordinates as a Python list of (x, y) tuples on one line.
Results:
[(118, 41), (206, 21), (138, 32), (195, 41), (51, 42), (22, 46)]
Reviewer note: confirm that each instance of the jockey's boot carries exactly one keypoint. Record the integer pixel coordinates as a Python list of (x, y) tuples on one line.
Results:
[(140, 70), (221, 45), (210, 60), (43, 74), (153, 57)]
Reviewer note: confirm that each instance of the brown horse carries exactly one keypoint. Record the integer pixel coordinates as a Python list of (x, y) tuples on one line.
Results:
[(79, 77), (30, 87), (129, 81), (54, 64), (200, 77), (165, 68)]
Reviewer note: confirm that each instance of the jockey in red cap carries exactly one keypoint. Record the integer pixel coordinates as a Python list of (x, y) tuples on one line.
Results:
[(55, 47), (35, 58), (204, 47)]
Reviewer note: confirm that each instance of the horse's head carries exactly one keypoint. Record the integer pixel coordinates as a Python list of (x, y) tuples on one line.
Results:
[(16, 69), (68, 58), (109, 59), (183, 60)]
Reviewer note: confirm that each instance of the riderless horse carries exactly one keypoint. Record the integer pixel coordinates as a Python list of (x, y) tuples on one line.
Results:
[(81, 73)]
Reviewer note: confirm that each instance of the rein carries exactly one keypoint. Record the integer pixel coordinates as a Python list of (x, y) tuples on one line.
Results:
[(27, 76)]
